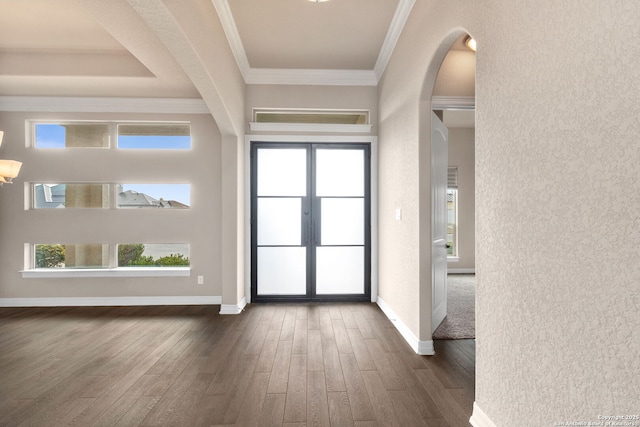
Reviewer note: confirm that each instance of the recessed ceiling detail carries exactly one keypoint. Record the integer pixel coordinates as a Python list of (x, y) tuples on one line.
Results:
[(298, 43)]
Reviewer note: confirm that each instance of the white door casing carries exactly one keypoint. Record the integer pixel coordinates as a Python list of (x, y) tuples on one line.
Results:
[(439, 164)]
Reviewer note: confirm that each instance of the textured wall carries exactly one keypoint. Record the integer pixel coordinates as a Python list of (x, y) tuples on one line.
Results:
[(199, 226), (558, 229)]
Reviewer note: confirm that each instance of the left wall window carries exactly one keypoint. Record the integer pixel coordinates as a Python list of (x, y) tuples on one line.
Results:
[(102, 259), (56, 255), (70, 195), (72, 135)]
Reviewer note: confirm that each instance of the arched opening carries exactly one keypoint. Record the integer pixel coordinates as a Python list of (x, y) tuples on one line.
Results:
[(453, 101), (449, 89)]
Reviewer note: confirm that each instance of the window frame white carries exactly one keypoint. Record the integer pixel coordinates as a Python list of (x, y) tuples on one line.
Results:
[(30, 140), (31, 272)]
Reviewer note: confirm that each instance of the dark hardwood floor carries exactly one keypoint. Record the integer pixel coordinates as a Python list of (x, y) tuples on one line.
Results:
[(273, 365)]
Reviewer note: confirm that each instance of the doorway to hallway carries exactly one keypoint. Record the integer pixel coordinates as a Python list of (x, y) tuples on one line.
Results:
[(310, 222)]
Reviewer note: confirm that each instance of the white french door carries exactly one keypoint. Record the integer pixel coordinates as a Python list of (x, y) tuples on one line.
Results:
[(310, 222)]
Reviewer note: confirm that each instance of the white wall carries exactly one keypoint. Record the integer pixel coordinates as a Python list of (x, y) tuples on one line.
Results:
[(200, 226), (558, 331)]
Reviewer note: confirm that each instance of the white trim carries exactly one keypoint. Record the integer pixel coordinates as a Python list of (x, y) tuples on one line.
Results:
[(233, 36), (373, 140), (461, 271), (393, 34), (233, 308), (309, 127), (281, 76), (453, 259), (64, 104), (312, 77), (479, 418), (109, 301), (453, 103), (54, 273), (424, 348)]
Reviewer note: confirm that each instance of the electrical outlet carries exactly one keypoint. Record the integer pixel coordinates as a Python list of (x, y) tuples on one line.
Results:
[(200, 280)]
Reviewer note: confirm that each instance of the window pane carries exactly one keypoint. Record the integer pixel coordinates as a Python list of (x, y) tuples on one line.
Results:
[(452, 220), (57, 196), (166, 196), (340, 270), (155, 136), (53, 135), (282, 172), (339, 172), (72, 256), (342, 221), (153, 255), (279, 221), (282, 271)]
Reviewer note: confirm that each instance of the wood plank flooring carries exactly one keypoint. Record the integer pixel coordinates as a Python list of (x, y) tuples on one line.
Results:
[(272, 365)]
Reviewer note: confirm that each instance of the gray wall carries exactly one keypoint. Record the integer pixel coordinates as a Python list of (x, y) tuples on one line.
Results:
[(199, 226)]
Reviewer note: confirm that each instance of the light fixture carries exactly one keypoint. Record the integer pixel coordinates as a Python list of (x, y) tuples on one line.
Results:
[(470, 43), (318, 1), (9, 169)]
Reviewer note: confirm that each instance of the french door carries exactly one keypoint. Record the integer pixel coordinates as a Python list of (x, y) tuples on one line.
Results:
[(310, 222)]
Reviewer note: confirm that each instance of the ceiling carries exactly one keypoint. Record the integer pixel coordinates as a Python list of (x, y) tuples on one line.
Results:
[(96, 48)]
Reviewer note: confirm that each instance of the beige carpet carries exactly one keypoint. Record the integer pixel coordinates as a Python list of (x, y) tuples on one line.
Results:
[(460, 322)]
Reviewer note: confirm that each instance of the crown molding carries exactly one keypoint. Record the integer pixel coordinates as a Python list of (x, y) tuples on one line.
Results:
[(65, 104), (453, 103), (312, 77), (395, 29)]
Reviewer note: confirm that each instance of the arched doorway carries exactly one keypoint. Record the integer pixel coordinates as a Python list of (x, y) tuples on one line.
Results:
[(442, 91)]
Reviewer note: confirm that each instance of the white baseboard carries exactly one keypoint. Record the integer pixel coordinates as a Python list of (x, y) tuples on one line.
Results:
[(479, 418), (461, 271), (424, 348), (109, 301), (233, 308)]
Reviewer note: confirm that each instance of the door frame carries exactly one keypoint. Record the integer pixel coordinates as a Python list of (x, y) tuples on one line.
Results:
[(311, 139)]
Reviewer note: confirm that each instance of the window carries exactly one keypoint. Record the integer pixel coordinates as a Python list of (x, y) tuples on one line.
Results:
[(452, 211), (72, 135), (154, 136), (70, 195), (166, 196), (98, 196), (153, 255), (149, 136), (57, 258), (452, 222), (58, 255), (61, 256)]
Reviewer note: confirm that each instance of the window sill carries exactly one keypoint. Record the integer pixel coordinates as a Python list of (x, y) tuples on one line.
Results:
[(49, 273), (453, 259)]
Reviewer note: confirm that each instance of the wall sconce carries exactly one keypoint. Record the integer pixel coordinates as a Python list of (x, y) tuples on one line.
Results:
[(9, 169), (470, 43)]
